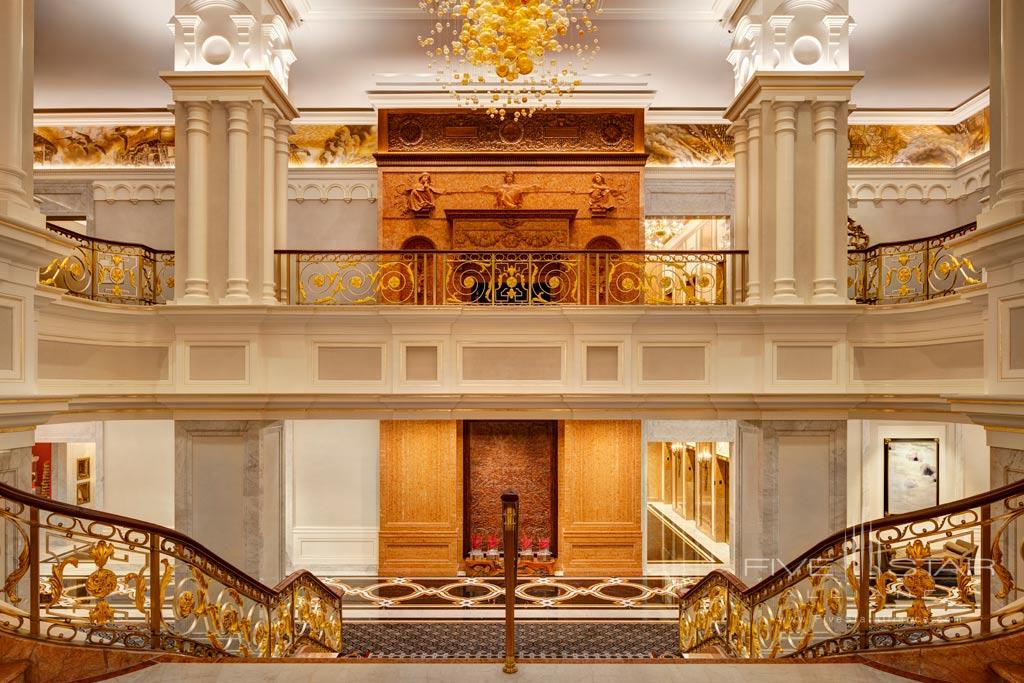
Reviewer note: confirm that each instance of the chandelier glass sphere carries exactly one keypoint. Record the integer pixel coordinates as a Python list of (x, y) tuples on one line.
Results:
[(510, 56)]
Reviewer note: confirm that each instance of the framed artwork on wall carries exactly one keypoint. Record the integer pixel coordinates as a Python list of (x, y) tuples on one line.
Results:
[(83, 493), (911, 475), (83, 468)]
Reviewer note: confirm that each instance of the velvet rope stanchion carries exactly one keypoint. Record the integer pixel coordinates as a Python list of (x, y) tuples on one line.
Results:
[(510, 525)]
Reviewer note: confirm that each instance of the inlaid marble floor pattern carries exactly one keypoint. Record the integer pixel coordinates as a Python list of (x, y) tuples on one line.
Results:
[(349, 672), (544, 640)]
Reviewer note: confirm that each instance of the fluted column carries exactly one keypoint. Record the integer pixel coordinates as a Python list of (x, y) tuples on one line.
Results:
[(269, 231), (785, 188), (739, 227), (197, 131), (284, 129), (1008, 201), (753, 206), (825, 229), (238, 141), (15, 112)]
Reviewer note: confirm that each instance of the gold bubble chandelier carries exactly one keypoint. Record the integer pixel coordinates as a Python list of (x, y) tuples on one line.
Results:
[(510, 55)]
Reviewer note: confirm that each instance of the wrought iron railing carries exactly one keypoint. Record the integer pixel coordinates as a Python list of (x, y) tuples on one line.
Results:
[(84, 577), (913, 270), (111, 271), (503, 278), (942, 575)]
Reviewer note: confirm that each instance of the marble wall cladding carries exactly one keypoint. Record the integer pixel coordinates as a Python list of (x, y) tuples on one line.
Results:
[(690, 430), (60, 198), (16, 468), (517, 455), (255, 515), (834, 485)]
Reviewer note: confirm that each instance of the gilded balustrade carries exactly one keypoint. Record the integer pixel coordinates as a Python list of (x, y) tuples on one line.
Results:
[(495, 278), (914, 270), (82, 577), (110, 271), (942, 575)]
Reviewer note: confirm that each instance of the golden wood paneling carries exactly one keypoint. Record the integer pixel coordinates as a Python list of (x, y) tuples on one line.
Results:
[(420, 497), (599, 498)]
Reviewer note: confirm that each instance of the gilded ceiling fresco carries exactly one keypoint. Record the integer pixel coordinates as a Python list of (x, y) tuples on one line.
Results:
[(339, 145), (920, 145), (107, 146), (333, 145), (688, 144)]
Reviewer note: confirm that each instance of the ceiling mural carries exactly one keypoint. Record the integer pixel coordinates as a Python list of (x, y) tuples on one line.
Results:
[(688, 144), (343, 145), (103, 146), (332, 145), (920, 145)]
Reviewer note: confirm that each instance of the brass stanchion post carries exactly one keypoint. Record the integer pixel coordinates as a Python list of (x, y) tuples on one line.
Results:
[(510, 525)]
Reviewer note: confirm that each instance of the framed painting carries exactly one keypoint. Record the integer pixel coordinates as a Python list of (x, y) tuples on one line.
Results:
[(83, 469), (83, 493), (911, 475)]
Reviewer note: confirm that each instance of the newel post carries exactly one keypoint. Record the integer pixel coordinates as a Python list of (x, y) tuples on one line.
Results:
[(510, 526)]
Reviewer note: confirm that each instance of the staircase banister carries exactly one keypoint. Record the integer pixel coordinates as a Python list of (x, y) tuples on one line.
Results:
[(941, 237), (789, 569), (163, 532)]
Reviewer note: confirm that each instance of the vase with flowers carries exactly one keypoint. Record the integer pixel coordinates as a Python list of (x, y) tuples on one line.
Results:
[(543, 548), (526, 546), (492, 547), (476, 547)]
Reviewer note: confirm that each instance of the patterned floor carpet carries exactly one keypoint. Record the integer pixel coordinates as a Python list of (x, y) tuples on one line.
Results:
[(544, 640)]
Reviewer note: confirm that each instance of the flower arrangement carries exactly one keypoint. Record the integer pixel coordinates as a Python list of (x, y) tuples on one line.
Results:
[(526, 546), (476, 542), (544, 547), (492, 546)]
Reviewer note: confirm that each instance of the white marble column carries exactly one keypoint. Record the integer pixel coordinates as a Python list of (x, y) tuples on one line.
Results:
[(269, 290), (238, 141), (1008, 201), (284, 129), (753, 206), (825, 229), (739, 227), (197, 131), (15, 112), (785, 188)]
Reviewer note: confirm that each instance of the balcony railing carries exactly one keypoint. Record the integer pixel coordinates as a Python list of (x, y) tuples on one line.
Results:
[(111, 271), (514, 278), (913, 270), (947, 574), (893, 272), (82, 577)]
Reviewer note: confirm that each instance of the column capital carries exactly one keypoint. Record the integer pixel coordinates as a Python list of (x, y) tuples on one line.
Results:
[(234, 35)]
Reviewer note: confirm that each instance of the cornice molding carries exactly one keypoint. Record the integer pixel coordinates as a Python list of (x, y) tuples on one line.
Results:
[(229, 86), (916, 183)]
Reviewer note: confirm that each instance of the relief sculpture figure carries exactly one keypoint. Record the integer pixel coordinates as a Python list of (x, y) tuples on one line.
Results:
[(602, 196), (421, 196), (510, 194)]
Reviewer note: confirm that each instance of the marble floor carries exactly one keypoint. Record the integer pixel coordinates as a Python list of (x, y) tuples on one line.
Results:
[(322, 672)]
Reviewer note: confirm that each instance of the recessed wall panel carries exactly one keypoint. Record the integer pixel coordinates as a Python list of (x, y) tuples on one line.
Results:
[(512, 363), (1016, 338), (60, 360), (958, 360), (804, 363), (6, 338), (602, 364), (217, 363), (421, 363), (350, 363), (672, 363)]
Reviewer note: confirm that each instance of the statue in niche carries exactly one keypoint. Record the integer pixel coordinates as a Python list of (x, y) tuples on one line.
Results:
[(510, 194), (420, 198), (602, 196), (856, 238)]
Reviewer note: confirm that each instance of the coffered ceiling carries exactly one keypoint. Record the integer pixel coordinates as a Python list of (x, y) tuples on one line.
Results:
[(917, 54)]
